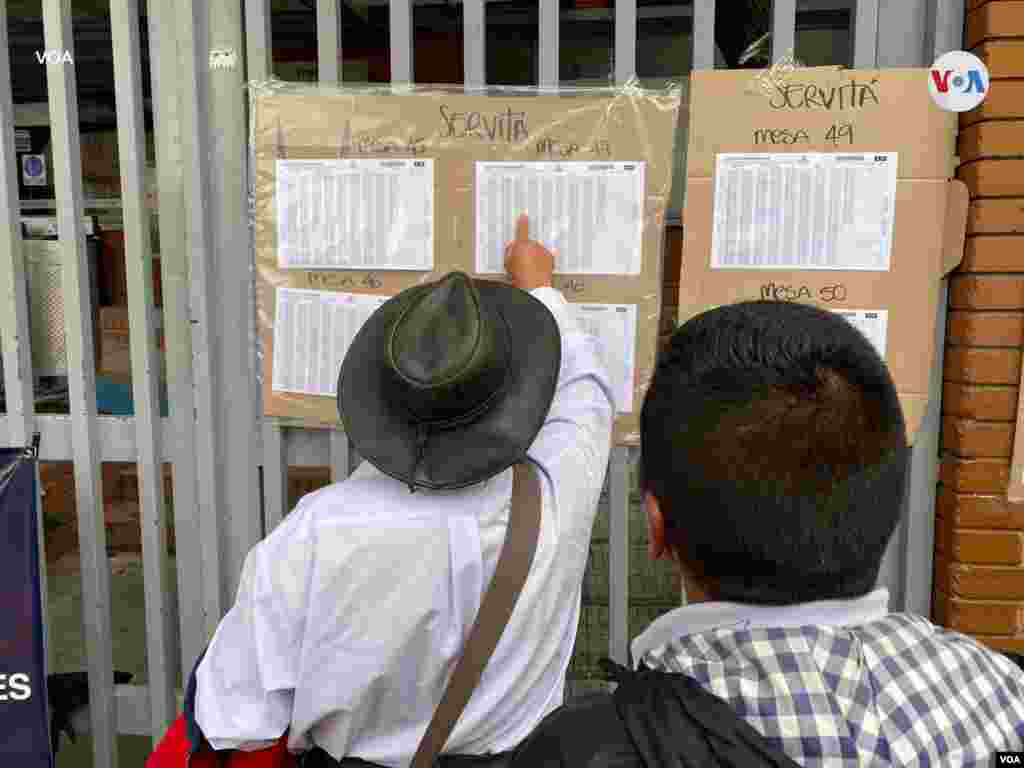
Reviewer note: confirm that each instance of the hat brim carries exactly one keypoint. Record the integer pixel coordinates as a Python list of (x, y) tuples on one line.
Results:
[(385, 435)]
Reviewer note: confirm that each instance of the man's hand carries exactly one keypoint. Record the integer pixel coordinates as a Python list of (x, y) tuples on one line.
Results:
[(529, 264)]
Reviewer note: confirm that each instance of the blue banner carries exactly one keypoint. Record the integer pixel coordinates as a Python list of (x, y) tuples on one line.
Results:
[(24, 714)]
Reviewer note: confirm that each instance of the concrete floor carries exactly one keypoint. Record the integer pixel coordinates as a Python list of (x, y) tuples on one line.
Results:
[(66, 650)]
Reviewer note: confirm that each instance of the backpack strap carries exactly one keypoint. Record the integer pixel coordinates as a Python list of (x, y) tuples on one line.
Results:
[(514, 563)]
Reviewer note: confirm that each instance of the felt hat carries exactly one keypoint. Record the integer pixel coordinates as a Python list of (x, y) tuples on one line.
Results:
[(447, 384)]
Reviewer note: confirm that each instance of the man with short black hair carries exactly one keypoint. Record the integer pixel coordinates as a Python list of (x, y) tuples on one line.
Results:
[(774, 463)]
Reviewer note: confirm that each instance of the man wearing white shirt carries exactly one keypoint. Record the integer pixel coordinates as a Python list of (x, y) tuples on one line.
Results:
[(351, 614)]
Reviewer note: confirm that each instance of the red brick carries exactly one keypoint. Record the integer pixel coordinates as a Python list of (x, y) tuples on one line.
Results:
[(1002, 644), (985, 329), (986, 292), (977, 511), (987, 547), (989, 618), (993, 178), (1003, 58), (1000, 138), (999, 253), (1004, 100), (995, 217), (986, 582), (975, 475), (985, 402), (979, 365), (994, 20), (967, 438)]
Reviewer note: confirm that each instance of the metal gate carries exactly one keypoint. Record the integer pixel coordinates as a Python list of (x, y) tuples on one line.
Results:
[(229, 463)]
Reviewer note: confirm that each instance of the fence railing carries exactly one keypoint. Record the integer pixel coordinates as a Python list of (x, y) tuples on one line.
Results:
[(215, 436)]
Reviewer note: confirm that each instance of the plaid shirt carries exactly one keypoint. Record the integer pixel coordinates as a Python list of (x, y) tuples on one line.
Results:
[(896, 691)]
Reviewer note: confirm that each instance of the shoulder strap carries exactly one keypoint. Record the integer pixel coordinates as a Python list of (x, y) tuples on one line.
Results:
[(495, 610)]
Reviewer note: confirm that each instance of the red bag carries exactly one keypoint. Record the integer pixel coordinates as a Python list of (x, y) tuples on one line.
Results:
[(173, 751)]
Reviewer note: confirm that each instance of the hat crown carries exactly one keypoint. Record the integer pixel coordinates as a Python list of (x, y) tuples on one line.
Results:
[(446, 355)]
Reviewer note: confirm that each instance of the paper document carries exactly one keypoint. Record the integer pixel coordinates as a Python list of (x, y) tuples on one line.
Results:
[(590, 214), (312, 333), (873, 323), (615, 325), (814, 211), (355, 214)]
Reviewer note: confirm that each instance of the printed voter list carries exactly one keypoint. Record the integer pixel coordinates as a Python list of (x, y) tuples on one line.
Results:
[(589, 214), (355, 214), (809, 211), (312, 333), (314, 329)]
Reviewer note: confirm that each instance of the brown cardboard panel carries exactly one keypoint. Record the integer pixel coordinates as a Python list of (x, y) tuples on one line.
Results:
[(955, 225), (820, 110), (304, 122), (817, 110), (1015, 487)]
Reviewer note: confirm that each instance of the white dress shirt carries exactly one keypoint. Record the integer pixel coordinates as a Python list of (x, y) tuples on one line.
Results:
[(351, 614)]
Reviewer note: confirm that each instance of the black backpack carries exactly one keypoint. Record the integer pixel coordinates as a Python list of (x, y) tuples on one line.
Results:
[(652, 720)]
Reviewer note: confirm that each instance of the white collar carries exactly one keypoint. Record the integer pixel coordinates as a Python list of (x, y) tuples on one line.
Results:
[(701, 617)]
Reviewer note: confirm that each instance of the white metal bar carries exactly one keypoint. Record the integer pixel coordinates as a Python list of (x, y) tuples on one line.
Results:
[(78, 320), (625, 40), (117, 441), (401, 41), (783, 28), (618, 554), (865, 34), (548, 21), (949, 28), (919, 544), (131, 137), (703, 34), (275, 473), (234, 285), (474, 43), (178, 431), (328, 41), (195, 137), (258, 39), (340, 458), (14, 329), (14, 317)]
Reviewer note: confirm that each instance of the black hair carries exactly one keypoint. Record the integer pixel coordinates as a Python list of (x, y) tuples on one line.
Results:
[(774, 441)]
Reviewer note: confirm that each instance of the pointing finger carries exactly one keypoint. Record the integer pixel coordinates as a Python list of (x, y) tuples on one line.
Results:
[(523, 227)]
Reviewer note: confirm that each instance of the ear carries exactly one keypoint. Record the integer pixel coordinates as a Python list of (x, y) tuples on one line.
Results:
[(655, 528)]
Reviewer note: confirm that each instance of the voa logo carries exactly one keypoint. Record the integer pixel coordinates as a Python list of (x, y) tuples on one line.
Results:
[(958, 81), (53, 57)]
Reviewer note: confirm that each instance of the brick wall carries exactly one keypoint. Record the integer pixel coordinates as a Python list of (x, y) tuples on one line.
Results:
[(979, 541)]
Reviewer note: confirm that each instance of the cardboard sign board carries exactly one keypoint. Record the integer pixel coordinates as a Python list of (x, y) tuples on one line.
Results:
[(1015, 488), (359, 194), (831, 187)]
